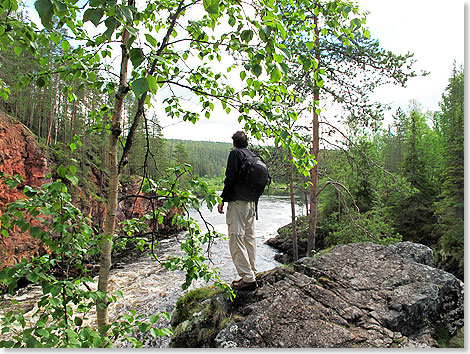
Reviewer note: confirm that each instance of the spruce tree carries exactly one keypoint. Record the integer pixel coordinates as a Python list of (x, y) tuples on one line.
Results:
[(450, 207), (414, 214)]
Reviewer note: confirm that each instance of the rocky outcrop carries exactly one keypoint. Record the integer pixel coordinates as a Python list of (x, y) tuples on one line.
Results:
[(283, 241), (131, 206), (357, 295), (19, 154)]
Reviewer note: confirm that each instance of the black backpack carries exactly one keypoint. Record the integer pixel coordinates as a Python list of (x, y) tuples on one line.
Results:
[(253, 176)]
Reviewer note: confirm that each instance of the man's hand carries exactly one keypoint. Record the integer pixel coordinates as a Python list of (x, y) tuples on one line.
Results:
[(220, 208)]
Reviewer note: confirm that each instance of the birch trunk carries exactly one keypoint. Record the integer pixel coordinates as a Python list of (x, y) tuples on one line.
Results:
[(112, 202)]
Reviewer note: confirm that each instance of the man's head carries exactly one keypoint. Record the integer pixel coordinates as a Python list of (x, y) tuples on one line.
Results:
[(240, 140)]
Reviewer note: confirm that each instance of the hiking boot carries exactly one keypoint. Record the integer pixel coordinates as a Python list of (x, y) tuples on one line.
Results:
[(236, 281), (244, 285)]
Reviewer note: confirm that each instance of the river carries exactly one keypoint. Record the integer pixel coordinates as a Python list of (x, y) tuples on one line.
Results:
[(149, 288)]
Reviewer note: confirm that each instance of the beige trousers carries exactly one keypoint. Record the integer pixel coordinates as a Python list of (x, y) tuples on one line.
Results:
[(242, 243)]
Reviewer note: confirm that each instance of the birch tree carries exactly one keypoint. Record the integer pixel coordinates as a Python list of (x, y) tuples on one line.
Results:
[(171, 44)]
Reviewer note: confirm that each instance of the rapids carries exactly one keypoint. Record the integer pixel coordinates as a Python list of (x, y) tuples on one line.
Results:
[(149, 288)]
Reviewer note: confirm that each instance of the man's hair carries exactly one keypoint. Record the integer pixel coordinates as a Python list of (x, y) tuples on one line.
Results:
[(240, 139)]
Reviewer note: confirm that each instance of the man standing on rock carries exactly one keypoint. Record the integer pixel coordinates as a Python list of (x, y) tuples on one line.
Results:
[(240, 217)]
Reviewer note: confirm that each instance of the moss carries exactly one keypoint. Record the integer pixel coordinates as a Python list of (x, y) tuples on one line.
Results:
[(198, 318), (458, 341), (397, 341), (288, 266), (441, 335), (324, 282), (190, 303), (323, 251)]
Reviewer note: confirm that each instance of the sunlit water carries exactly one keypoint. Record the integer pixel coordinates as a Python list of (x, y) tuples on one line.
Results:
[(149, 288)]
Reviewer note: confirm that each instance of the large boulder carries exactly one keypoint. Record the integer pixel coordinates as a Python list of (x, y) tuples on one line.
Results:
[(356, 295)]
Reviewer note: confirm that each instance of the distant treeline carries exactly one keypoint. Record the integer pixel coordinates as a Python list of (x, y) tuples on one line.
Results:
[(208, 159)]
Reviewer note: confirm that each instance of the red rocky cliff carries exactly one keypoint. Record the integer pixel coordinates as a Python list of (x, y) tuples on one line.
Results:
[(19, 154)]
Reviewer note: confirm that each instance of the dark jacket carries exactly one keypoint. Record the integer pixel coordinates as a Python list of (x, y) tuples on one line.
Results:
[(234, 163)]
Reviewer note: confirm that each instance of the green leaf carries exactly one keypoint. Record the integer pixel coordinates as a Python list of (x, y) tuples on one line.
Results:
[(257, 70), (286, 53), (276, 75), (242, 75), (45, 11), (356, 23), (61, 8), (152, 82), (211, 6), (152, 41), (78, 321), (111, 25), (247, 35), (40, 82), (54, 301), (61, 171), (306, 64), (65, 45), (18, 50), (73, 169), (127, 12), (72, 179), (55, 290), (140, 86), (154, 318), (136, 56), (32, 277), (93, 15), (281, 29), (35, 231)]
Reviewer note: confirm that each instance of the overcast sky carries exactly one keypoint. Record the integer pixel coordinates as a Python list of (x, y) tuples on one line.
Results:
[(432, 30)]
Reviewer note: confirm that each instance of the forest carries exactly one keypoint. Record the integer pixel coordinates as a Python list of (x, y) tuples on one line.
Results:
[(85, 81)]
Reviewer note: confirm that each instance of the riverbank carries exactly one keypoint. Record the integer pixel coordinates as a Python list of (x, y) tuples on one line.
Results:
[(149, 288)]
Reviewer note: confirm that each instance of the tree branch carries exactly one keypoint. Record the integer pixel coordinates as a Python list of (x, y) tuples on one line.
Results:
[(334, 183)]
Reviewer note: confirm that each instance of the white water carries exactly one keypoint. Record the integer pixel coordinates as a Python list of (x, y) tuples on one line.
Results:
[(149, 288), (273, 212)]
